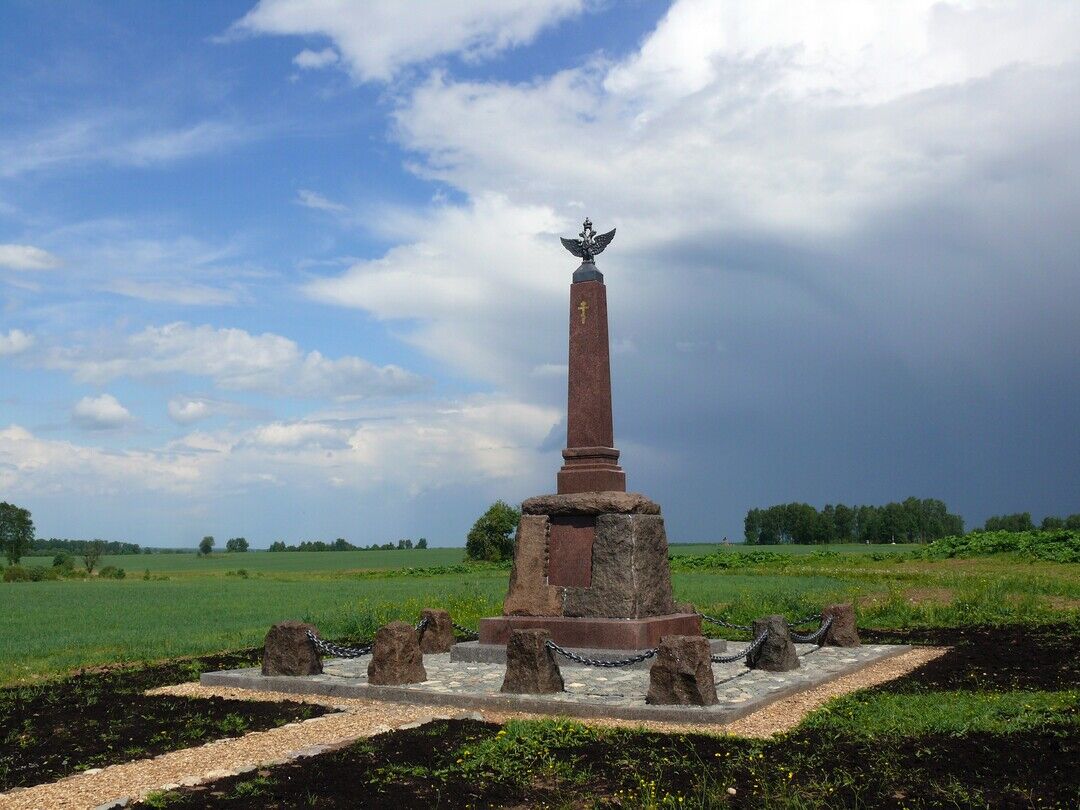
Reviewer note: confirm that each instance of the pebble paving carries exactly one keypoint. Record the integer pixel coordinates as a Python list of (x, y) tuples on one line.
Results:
[(589, 691)]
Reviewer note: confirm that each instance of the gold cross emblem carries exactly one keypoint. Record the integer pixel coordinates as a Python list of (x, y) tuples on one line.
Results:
[(583, 307)]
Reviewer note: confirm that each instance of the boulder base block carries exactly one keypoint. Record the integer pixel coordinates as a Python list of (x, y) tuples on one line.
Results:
[(288, 650), (396, 656), (531, 668), (778, 653), (682, 674), (842, 632), (529, 593), (437, 635)]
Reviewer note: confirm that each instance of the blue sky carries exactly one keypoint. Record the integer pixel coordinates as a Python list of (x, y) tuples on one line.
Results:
[(289, 270)]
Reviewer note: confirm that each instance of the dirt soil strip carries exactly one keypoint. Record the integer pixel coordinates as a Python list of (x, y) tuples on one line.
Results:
[(358, 718), (362, 718)]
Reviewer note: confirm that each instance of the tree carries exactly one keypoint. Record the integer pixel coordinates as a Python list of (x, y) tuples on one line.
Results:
[(421, 543), (491, 537), (206, 545), (92, 555), (1017, 522), (16, 531), (236, 544), (1051, 523), (1072, 521)]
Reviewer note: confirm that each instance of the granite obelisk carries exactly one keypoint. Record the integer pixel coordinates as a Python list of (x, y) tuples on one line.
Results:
[(590, 562), (590, 458)]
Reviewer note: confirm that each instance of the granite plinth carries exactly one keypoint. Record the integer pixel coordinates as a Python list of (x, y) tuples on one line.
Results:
[(596, 633), (570, 544)]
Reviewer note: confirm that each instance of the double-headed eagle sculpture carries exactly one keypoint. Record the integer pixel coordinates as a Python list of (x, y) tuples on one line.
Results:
[(589, 242)]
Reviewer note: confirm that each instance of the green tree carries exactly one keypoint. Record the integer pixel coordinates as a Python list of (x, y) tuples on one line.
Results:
[(206, 545), (16, 531), (1017, 522), (421, 543), (92, 555), (492, 536), (1072, 521), (236, 544), (1051, 523)]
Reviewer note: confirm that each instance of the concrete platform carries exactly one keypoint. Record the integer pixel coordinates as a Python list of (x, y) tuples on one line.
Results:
[(476, 652), (590, 691)]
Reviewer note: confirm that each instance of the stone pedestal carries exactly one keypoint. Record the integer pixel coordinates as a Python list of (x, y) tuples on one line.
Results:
[(592, 569), (682, 673), (396, 656), (842, 632), (531, 668), (778, 653), (288, 650)]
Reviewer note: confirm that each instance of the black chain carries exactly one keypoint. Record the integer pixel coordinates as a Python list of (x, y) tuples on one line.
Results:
[(465, 630), (753, 648), (812, 637), (813, 617), (423, 623), (335, 651), (722, 623), (595, 662)]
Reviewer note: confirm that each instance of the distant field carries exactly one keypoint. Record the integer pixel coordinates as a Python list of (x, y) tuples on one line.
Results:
[(275, 562), (791, 548)]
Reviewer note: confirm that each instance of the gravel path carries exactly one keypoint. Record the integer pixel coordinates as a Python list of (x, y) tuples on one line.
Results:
[(363, 718)]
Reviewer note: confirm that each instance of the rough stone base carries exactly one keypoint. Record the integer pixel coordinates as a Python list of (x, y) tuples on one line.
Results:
[(597, 633), (473, 652), (682, 674), (288, 650), (437, 636), (778, 653), (531, 668), (395, 656), (842, 632)]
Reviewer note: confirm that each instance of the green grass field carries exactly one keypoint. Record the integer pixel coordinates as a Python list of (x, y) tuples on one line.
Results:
[(192, 606), (291, 562)]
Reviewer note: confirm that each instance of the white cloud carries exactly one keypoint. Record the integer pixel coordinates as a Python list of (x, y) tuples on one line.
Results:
[(407, 447), (236, 360), (15, 342), (27, 257), (379, 38), (313, 60), (116, 139), (184, 411), (171, 292), (312, 199), (100, 413)]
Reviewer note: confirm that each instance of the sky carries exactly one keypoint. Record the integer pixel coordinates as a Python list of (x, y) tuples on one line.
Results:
[(290, 269)]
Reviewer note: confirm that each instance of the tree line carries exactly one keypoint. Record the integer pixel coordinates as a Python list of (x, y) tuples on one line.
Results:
[(913, 520), (341, 544), (1022, 522)]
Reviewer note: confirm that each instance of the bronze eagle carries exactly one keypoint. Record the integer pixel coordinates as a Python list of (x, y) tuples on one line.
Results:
[(588, 243)]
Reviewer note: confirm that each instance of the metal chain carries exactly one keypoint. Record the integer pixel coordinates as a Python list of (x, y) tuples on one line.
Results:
[(722, 623), (423, 623), (335, 651), (811, 618), (465, 630), (753, 648), (595, 662), (813, 637)]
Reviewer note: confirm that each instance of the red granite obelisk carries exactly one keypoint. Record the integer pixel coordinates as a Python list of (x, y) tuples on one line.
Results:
[(590, 562), (590, 458)]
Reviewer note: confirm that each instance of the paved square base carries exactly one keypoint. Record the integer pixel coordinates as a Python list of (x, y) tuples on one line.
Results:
[(473, 652), (620, 635), (590, 691)]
